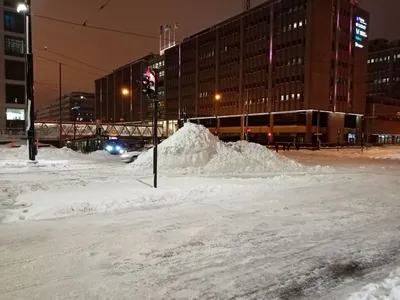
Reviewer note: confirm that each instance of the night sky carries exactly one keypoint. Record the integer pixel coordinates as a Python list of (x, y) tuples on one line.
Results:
[(107, 51)]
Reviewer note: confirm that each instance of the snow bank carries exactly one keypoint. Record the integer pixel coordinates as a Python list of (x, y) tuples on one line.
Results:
[(48, 156), (194, 149), (389, 289)]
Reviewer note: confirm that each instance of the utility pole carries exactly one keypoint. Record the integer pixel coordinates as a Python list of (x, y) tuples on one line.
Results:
[(60, 97), (25, 8), (246, 5), (247, 114)]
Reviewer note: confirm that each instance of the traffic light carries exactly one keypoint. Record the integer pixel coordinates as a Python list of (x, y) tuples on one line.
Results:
[(149, 84)]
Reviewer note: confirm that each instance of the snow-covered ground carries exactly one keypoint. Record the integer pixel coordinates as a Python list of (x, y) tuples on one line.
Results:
[(93, 228)]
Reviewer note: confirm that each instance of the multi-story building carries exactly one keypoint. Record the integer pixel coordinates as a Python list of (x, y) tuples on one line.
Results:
[(297, 67), (12, 72), (75, 106), (119, 96), (384, 68)]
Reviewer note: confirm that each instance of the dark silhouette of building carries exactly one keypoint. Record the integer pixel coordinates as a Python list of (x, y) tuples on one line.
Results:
[(119, 96), (298, 67), (76, 106), (384, 68)]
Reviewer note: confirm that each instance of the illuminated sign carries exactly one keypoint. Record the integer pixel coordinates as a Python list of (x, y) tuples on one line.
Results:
[(361, 29)]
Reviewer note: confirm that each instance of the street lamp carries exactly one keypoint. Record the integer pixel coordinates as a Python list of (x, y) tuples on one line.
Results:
[(24, 8), (217, 97), (125, 92)]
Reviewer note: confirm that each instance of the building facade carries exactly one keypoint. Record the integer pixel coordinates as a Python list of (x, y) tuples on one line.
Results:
[(119, 97), (12, 70), (296, 67), (75, 107), (384, 68), (382, 120)]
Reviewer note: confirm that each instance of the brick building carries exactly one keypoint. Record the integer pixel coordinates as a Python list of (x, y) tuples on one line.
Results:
[(384, 68), (119, 97), (298, 67)]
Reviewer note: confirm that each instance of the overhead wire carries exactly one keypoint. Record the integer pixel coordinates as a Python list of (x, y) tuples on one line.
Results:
[(96, 27), (97, 11), (76, 60), (67, 65)]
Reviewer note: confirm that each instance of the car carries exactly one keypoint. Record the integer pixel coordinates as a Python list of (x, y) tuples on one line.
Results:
[(131, 155)]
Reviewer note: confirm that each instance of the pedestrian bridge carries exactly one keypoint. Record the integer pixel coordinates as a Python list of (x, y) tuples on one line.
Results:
[(69, 130)]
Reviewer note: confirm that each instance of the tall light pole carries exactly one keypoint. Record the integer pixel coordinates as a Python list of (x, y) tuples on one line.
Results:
[(217, 98), (25, 8)]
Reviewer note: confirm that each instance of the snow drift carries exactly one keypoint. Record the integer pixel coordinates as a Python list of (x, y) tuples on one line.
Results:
[(47, 156), (194, 149), (389, 289)]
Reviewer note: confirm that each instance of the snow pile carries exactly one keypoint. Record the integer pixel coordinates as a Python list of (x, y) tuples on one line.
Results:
[(193, 149), (47, 156), (389, 289)]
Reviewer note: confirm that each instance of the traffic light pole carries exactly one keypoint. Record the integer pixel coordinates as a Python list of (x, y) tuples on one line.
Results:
[(29, 87), (155, 137)]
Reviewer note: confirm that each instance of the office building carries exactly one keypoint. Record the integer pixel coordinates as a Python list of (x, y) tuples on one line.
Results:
[(75, 107), (12, 72), (384, 68), (298, 67), (119, 96)]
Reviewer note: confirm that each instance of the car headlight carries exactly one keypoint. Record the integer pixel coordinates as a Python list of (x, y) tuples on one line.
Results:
[(122, 151), (109, 148), (118, 148)]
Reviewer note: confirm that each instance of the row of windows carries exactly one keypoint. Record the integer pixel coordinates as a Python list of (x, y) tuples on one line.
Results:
[(290, 97), (294, 25), (157, 65), (386, 80), (380, 59)]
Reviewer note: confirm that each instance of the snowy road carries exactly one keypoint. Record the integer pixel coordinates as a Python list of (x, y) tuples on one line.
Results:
[(100, 234)]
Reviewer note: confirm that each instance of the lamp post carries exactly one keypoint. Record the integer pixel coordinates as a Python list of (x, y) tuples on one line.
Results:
[(217, 99), (24, 8)]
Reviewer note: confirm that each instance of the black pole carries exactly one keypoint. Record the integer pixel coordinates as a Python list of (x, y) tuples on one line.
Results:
[(155, 142), (60, 96), (155, 129), (29, 85)]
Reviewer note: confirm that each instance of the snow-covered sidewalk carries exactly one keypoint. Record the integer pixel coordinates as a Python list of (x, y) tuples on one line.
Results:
[(228, 221), (113, 237)]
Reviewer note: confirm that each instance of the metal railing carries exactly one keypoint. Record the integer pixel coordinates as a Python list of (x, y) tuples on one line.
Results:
[(70, 130)]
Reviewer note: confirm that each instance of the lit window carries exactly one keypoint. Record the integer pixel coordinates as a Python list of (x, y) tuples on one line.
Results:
[(368, 61), (385, 58), (282, 97), (300, 23), (287, 97), (295, 25), (290, 27), (298, 95), (299, 60), (292, 96), (372, 60), (398, 55), (284, 28)]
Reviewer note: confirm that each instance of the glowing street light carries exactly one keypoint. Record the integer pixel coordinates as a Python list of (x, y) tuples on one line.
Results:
[(125, 92), (217, 97), (22, 8)]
